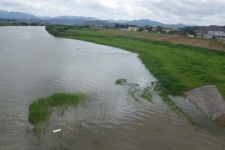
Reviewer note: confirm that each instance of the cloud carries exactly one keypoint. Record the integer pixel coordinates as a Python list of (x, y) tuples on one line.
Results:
[(202, 12)]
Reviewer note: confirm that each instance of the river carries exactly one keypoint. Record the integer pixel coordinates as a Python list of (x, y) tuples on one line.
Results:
[(34, 64)]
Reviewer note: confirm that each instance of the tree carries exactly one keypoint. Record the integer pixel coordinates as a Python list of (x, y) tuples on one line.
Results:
[(140, 29), (117, 25), (149, 28)]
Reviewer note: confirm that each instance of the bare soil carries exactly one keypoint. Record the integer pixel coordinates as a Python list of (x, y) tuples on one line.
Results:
[(175, 39)]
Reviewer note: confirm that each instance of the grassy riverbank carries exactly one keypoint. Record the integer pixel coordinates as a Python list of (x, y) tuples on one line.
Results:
[(41, 109), (179, 68)]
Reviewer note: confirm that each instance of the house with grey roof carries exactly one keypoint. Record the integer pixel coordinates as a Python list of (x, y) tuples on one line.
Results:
[(212, 31)]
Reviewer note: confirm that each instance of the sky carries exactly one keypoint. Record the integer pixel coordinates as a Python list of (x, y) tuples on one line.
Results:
[(198, 12)]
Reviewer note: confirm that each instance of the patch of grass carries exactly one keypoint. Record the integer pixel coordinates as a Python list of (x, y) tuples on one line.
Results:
[(41, 109), (121, 82)]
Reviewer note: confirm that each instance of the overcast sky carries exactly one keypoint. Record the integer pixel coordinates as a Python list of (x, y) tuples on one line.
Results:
[(200, 12)]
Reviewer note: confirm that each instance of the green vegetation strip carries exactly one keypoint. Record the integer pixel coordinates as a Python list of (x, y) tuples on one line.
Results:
[(41, 109)]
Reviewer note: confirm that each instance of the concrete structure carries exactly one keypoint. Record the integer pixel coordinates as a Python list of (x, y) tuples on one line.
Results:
[(209, 100)]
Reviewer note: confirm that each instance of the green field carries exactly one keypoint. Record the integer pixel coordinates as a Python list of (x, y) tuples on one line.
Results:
[(178, 68)]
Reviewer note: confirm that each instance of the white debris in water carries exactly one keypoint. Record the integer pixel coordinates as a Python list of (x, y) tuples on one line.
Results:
[(55, 131)]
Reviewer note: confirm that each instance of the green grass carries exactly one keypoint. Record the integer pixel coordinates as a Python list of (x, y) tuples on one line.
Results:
[(41, 109), (178, 68), (121, 82)]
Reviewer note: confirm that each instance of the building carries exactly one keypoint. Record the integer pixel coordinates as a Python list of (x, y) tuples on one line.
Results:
[(212, 31), (181, 32), (133, 28), (215, 34), (154, 30), (167, 30)]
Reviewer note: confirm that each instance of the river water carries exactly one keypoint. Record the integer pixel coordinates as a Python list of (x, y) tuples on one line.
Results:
[(34, 64)]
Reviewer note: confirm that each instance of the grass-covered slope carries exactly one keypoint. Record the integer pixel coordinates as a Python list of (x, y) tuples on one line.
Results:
[(179, 68)]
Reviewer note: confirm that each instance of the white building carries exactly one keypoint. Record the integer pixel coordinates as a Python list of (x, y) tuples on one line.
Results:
[(133, 28), (215, 34), (212, 31)]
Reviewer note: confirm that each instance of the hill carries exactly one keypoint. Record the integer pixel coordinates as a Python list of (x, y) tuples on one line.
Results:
[(144, 22), (81, 20)]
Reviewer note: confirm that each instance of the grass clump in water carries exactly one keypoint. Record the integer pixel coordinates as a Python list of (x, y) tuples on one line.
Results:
[(121, 82), (41, 109), (147, 93)]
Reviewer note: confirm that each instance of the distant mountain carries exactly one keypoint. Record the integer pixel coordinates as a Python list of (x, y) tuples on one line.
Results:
[(192, 28), (45, 17), (32, 20), (16, 15), (8, 20), (144, 22), (76, 18), (100, 23), (2, 12), (65, 21), (117, 21), (80, 20)]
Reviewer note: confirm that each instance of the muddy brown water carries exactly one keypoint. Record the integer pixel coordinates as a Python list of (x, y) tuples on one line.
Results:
[(34, 64)]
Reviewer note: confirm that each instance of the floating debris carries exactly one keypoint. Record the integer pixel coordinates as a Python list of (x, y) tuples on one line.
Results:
[(55, 131)]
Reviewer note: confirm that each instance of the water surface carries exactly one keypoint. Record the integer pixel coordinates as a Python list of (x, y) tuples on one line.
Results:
[(34, 64)]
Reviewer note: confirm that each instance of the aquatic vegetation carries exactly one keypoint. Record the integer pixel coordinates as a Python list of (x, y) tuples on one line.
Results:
[(147, 93), (121, 81), (41, 109), (135, 91)]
